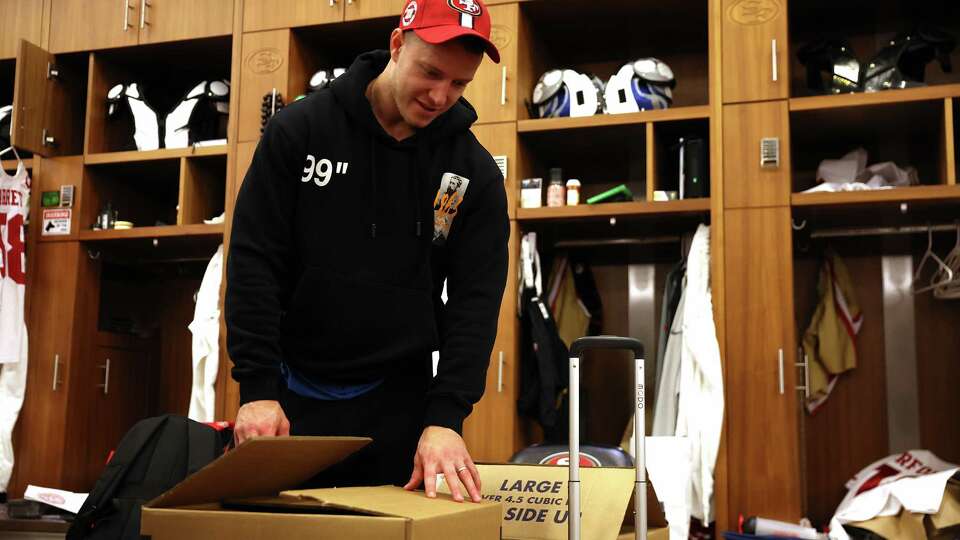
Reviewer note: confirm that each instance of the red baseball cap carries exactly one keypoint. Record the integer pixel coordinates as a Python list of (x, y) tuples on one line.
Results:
[(439, 21)]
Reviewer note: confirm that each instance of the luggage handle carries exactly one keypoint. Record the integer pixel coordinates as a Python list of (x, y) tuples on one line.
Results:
[(639, 431)]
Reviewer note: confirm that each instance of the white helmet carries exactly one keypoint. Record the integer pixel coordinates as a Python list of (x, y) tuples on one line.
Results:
[(641, 85), (566, 93)]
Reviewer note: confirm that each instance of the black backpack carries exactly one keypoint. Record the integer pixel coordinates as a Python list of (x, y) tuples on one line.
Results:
[(155, 455)]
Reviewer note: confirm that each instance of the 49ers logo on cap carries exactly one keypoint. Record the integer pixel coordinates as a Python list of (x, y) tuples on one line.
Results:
[(409, 14), (467, 7)]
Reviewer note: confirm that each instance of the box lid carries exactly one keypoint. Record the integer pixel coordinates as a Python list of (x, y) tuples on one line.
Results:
[(388, 501), (260, 466)]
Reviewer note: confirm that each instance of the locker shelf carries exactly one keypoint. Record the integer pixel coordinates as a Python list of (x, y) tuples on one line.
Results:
[(154, 155), (927, 93), (609, 210), (603, 120)]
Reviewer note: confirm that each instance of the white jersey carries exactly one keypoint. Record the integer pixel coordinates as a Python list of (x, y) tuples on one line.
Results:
[(14, 205)]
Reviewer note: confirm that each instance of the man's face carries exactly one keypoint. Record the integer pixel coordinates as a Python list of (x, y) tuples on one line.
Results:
[(429, 78)]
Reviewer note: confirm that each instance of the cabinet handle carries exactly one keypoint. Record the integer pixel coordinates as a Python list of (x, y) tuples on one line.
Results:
[(106, 378), (333, 3), (56, 371), (349, 2), (500, 374), (773, 50), (780, 378), (126, 15), (144, 4), (503, 86)]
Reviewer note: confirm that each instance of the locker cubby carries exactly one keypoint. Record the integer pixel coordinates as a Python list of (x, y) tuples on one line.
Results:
[(855, 416), (666, 155), (907, 133), (171, 71), (555, 35), (601, 158), (869, 26), (145, 193), (333, 46), (203, 183)]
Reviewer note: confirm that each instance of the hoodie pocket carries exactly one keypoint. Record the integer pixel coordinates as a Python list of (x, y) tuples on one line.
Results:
[(334, 318)]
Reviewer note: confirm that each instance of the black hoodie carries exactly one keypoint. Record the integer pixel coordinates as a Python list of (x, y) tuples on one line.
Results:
[(337, 260)]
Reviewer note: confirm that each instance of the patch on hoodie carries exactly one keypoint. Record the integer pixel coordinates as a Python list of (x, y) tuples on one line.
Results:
[(445, 205)]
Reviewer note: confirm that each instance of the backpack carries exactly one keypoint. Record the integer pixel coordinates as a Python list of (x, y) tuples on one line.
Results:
[(155, 455)]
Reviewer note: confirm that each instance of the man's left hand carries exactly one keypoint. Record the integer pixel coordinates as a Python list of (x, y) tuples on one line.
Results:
[(442, 450)]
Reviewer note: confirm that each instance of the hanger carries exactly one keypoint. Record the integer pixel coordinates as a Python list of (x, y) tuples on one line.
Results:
[(13, 149), (929, 254), (951, 288)]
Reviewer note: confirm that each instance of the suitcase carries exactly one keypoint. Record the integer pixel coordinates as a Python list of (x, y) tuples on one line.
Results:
[(640, 484)]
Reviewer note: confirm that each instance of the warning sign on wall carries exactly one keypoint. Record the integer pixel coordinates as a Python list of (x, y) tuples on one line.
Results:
[(56, 221)]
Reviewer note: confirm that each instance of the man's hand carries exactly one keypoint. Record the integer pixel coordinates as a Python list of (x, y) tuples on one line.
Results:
[(441, 450), (260, 419)]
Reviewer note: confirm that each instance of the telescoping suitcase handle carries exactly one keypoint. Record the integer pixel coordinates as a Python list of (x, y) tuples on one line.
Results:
[(639, 429)]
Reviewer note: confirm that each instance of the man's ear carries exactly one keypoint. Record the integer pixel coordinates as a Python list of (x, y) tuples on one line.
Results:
[(396, 44)]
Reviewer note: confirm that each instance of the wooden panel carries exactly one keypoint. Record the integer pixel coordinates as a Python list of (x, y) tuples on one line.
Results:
[(652, 182), (501, 140), (100, 136), (154, 155), (849, 430), (749, 29), (170, 20), (56, 172), (746, 183), (81, 25), (19, 19), (369, 9), (264, 14), (938, 374), (30, 92), (605, 210), (116, 408), (948, 160), (486, 92), (492, 432), (174, 371), (761, 422), (51, 286), (265, 67)]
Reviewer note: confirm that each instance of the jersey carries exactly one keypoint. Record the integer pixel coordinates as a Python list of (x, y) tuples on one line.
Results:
[(14, 207)]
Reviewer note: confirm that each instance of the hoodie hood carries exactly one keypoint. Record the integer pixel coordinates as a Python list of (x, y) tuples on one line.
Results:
[(350, 91)]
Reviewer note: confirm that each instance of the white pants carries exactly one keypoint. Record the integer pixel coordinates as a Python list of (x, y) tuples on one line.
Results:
[(13, 382)]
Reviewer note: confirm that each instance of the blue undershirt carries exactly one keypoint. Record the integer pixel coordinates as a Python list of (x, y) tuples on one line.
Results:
[(303, 386)]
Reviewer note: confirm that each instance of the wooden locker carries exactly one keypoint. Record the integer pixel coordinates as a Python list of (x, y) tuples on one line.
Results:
[(747, 182), (761, 429), (755, 49)]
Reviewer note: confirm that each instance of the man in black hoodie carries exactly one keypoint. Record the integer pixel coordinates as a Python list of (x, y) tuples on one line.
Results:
[(334, 277)]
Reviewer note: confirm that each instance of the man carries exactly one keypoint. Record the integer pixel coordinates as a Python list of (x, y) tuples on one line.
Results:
[(333, 279)]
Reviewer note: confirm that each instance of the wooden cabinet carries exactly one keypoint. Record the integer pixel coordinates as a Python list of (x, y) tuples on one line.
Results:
[(81, 25), (493, 431), (48, 103), (265, 14), (369, 9), (754, 51), (761, 424), (494, 90), (77, 25), (265, 66), (43, 421), (171, 20), (747, 182), (118, 399), (19, 19)]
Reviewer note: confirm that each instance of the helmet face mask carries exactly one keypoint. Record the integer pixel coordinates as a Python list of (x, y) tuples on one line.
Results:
[(322, 78)]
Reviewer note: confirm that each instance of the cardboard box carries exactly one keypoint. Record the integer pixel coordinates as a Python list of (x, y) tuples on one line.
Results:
[(944, 525), (240, 496), (534, 499)]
